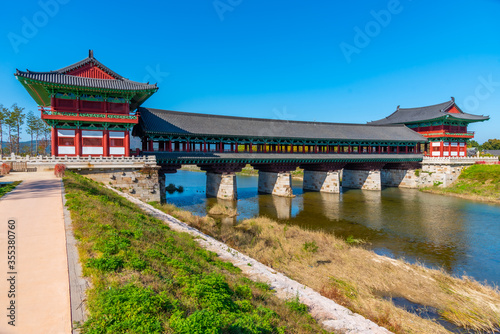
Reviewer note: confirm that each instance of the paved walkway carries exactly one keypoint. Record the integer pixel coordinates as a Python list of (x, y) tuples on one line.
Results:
[(42, 289)]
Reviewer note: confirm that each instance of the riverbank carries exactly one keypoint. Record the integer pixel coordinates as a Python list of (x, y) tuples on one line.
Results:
[(355, 277), (147, 278), (478, 182)]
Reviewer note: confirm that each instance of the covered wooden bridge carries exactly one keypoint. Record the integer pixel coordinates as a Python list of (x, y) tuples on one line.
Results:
[(223, 145)]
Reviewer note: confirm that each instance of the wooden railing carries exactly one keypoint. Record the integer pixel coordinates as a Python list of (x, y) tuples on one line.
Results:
[(85, 114)]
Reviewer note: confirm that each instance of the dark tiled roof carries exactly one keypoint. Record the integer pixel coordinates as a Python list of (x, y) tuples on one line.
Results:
[(156, 121), (62, 77), (410, 115), (89, 60), (71, 80), (492, 152)]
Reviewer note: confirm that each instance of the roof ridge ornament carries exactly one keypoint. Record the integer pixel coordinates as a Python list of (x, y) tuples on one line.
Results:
[(453, 99), (398, 107), (91, 53)]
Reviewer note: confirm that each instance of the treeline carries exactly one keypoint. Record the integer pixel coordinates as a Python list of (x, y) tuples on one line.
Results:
[(12, 121), (490, 144)]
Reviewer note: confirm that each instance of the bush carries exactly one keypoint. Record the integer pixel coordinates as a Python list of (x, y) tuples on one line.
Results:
[(59, 170), (4, 169)]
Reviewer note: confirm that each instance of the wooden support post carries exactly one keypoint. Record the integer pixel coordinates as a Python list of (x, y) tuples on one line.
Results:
[(127, 143), (53, 141), (105, 143), (78, 142)]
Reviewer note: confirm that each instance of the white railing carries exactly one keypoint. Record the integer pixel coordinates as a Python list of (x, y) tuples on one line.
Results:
[(40, 158), (458, 160)]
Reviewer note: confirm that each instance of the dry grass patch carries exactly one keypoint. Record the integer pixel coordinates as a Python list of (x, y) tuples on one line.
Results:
[(358, 278), (223, 210)]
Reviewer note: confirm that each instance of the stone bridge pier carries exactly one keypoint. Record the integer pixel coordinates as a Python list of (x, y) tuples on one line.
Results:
[(401, 175), (365, 176), (221, 180), (322, 177), (275, 178)]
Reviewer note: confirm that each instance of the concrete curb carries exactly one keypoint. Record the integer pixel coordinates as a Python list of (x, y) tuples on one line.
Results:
[(77, 284)]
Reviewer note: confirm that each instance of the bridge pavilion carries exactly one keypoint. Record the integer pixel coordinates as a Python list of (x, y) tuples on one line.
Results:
[(444, 124), (223, 145), (90, 108)]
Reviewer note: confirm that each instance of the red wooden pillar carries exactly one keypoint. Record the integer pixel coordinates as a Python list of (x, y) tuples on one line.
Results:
[(449, 149), (144, 144), (349, 149), (53, 142), (150, 145), (127, 143), (220, 147), (265, 148), (205, 146), (188, 146), (441, 149), (251, 147), (78, 142), (406, 147), (105, 143), (397, 149)]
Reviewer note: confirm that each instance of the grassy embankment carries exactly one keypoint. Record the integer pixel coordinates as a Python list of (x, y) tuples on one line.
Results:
[(5, 188), (355, 277), (479, 182), (146, 278)]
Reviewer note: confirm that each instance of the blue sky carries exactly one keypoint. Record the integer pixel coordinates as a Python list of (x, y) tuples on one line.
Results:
[(326, 61)]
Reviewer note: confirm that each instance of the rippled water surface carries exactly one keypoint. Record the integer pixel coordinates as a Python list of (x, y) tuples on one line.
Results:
[(461, 236)]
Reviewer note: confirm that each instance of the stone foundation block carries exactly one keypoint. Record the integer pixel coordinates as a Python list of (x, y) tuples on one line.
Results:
[(327, 182), (279, 184), (362, 179), (399, 178), (222, 186)]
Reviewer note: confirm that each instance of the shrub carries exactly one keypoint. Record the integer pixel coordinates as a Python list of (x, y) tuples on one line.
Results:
[(4, 169), (59, 170)]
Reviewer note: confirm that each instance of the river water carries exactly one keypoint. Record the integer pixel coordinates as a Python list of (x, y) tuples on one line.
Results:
[(460, 236)]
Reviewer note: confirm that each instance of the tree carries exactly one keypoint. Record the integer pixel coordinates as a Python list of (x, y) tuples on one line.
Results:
[(3, 112), (14, 119), (491, 144), (17, 113), (473, 143), (33, 127)]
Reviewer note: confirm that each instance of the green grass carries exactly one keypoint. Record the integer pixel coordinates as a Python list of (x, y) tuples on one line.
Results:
[(480, 181), (5, 188), (146, 278)]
